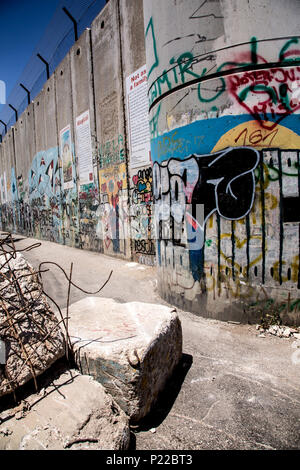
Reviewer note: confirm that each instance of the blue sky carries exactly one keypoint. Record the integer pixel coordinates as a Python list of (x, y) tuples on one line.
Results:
[(22, 23), (22, 26)]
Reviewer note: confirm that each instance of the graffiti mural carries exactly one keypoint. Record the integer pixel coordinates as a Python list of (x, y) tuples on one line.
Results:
[(242, 245), (69, 196), (224, 120), (113, 223), (111, 152), (216, 206), (44, 181), (141, 212), (8, 199), (196, 187)]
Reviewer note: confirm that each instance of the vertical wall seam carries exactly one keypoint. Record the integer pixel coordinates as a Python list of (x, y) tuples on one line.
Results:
[(248, 244), (58, 156), (15, 204), (94, 102), (281, 229), (263, 222), (75, 151), (298, 164), (124, 125), (219, 247), (233, 248), (95, 116)]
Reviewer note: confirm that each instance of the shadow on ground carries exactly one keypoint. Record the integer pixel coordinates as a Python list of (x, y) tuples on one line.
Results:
[(10, 403), (165, 400)]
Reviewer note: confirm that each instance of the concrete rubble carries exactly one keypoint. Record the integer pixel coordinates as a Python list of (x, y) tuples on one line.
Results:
[(131, 348), (232, 390), (279, 330), (30, 334), (74, 412), (125, 352)]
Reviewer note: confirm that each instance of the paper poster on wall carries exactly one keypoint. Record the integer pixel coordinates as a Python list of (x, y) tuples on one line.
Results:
[(138, 121), (67, 157), (84, 148)]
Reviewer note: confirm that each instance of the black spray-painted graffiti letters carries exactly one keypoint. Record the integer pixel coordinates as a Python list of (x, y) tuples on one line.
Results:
[(187, 192), (141, 212)]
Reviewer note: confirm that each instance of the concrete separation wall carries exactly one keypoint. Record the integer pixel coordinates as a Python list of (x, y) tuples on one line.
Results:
[(224, 120), (170, 136), (65, 170)]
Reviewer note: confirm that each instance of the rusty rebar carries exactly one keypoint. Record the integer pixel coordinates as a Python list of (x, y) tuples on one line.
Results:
[(17, 302)]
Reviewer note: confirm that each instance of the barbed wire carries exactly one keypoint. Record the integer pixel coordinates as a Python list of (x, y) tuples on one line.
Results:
[(53, 48)]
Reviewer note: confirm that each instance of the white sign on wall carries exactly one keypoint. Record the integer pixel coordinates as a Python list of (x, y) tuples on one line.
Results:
[(84, 148), (138, 121)]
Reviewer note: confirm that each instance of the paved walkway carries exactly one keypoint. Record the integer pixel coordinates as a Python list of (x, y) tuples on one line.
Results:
[(232, 390)]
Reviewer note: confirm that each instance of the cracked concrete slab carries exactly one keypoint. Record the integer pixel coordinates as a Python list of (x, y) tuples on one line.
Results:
[(74, 412)]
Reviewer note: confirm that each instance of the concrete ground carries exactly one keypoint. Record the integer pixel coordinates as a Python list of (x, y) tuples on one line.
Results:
[(232, 390)]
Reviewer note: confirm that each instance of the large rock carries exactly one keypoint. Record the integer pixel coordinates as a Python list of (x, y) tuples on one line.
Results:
[(75, 412), (130, 348), (30, 334)]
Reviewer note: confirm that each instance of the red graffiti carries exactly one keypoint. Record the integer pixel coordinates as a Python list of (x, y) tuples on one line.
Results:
[(269, 92), (114, 200), (272, 92), (107, 242)]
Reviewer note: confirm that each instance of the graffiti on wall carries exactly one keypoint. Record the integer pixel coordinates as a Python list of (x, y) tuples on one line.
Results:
[(111, 152), (224, 122), (255, 241), (69, 197), (141, 208), (268, 92), (191, 190), (44, 181), (113, 220), (88, 213)]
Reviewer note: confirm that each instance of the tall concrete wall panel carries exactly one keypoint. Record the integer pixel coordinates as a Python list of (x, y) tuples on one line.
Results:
[(8, 183), (45, 174), (113, 179), (25, 148), (85, 142), (2, 191), (223, 88), (139, 173), (66, 144)]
